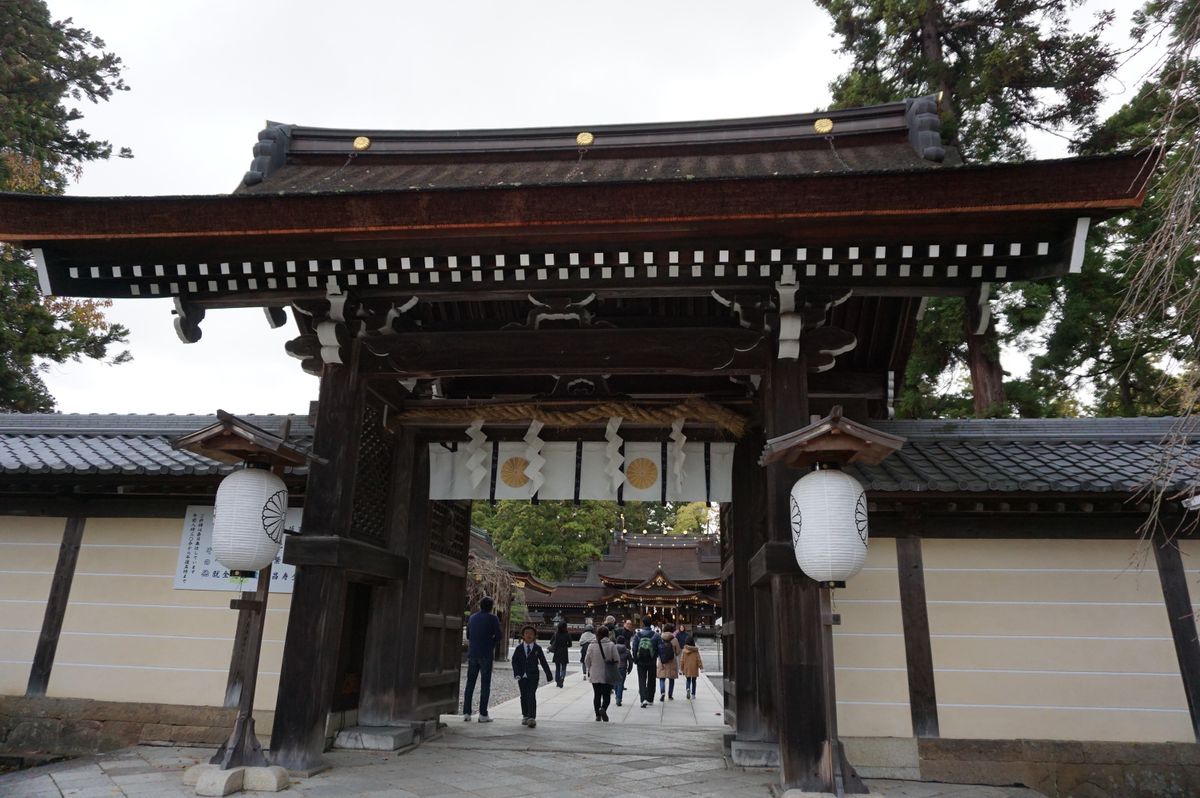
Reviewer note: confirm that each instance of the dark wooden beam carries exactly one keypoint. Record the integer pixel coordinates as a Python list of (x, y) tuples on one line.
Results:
[(572, 352), (918, 651), (773, 557), (1077, 526), (352, 556), (1182, 618), (238, 671), (56, 607), (590, 211), (314, 634)]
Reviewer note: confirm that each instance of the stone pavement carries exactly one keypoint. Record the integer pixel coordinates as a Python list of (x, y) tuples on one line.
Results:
[(573, 702), (672, 747), (494, 760)]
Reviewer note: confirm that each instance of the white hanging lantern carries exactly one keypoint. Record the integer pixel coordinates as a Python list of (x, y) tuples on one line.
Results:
[(248, 519), (829, 525)]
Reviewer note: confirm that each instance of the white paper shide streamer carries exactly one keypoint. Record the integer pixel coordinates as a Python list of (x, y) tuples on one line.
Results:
[(615, 461), (829, 525), (533, 456), (678, 455), (477, 453), (248, 519)]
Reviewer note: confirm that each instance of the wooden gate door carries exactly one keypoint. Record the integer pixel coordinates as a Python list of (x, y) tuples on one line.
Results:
[(443, 598)]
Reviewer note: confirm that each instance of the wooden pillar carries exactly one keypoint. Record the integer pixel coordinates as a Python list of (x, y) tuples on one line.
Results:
[(56, 607), (388, 679), (1183, 624), (748, 660), (314, 633), (918, 650), (810, 756)]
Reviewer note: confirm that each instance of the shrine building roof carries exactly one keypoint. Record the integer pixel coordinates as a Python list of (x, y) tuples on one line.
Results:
[(293, 159)]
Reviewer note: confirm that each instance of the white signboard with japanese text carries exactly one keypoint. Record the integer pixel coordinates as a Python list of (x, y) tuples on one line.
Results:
[(198, 570)]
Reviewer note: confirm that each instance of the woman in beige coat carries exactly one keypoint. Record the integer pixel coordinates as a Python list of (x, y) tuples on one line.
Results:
[(668, 663), (599, 654), (690, 666)]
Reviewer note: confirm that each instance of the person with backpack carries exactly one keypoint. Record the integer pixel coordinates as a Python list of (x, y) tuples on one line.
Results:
[(645, 648), (558, 647), (668, 663)]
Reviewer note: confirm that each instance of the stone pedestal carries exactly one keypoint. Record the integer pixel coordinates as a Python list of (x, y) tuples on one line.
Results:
[(750, 754), (375, 738)]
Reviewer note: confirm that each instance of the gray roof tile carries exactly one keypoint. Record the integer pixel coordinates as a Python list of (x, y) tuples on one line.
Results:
[(1109, 455)]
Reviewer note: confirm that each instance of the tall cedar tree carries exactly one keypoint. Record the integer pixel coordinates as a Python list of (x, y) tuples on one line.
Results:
[(1001, 69), (44, 65), (1125, 329)]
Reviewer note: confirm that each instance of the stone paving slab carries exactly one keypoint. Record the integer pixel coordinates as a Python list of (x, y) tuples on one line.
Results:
[(497, 760), (573, 702)]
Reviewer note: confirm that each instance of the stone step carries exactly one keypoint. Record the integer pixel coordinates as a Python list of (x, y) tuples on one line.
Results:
[(374, 738)]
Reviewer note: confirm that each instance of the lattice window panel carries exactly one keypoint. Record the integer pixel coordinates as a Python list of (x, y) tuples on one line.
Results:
[(373, 476)]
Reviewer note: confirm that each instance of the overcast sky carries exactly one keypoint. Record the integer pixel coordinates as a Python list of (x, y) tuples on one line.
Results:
[(205, 76)]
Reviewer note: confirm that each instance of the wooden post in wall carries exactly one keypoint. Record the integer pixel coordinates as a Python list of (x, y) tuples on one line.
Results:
[(1182, 618), (56, 607), (918, 649)]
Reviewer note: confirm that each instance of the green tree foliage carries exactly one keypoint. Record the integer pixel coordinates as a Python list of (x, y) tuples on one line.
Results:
[(553, 539), (690, 519), (1120, 331), (518, 610), (1002, 69), (44, 65)]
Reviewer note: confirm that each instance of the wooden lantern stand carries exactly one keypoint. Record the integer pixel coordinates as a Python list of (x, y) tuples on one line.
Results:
[(232, 440)]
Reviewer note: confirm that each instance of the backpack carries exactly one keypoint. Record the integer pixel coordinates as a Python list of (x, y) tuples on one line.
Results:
[(645, 649), (666, 651)]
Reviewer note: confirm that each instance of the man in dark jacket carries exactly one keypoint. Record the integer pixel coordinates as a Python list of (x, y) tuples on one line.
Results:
[(483, 632), (526, 658), (645, 657)]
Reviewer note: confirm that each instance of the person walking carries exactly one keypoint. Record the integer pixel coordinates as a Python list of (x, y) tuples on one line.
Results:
[(668, 663), (559, 643), (483, 633), (526, 659), (586, 639), (603, 660), (644, 649), (682, 637), (629, 631), (690, 665), (625, 668)]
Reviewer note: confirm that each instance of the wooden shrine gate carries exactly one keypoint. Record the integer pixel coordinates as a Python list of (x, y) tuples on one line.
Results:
[(769, 268)]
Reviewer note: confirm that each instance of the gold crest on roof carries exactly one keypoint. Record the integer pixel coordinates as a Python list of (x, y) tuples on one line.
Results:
[(823, 125), (362, 143), (584, 139)]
